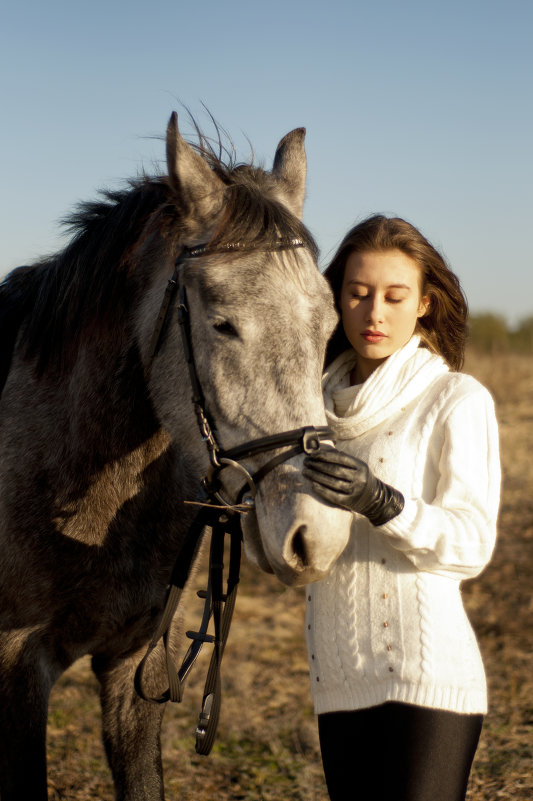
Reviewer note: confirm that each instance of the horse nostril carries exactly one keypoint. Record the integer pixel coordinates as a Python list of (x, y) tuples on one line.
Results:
[(298, 546)]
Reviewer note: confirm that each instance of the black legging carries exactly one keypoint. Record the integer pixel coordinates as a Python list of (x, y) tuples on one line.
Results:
[(398, 752)]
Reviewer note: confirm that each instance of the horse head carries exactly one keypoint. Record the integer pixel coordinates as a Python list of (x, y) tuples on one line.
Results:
[(260, 317)]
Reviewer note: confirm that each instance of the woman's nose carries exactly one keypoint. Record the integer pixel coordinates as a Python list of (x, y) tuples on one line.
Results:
[(375, 311)]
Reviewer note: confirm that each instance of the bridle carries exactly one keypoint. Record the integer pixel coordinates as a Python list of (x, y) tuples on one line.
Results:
[(215, 510), (300, 440)]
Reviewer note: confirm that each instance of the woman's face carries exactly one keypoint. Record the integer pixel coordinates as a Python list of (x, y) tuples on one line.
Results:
[(380, 302)]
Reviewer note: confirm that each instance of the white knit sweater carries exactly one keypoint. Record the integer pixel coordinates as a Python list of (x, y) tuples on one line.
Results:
[(388, 623)]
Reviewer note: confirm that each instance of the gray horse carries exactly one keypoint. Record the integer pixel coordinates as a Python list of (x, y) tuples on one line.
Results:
[(99, 442)]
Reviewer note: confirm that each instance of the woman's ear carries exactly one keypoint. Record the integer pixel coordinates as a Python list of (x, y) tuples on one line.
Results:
[(424, 306)]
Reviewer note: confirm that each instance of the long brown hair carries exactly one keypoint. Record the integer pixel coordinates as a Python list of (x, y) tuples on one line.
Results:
[(443, 329)]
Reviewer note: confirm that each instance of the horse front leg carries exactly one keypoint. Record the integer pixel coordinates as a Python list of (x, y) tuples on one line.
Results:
[(25, 684), (131, 732)]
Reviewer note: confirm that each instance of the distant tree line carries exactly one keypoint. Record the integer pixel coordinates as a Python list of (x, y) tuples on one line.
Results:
[(491, 333)]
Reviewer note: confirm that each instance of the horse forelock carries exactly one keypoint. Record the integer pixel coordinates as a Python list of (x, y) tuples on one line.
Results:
[(253, 215)]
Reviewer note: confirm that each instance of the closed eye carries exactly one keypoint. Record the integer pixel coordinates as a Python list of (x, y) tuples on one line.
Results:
[(357, 296), (226, 328)]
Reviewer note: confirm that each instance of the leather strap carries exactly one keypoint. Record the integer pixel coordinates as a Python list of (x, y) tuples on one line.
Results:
[(223, 607), (218, 606), (178, 579)]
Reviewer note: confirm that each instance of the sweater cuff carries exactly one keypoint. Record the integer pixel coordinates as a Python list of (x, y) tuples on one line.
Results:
[(401, 525)]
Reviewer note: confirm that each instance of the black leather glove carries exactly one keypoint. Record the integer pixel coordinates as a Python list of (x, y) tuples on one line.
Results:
[(346, 481)]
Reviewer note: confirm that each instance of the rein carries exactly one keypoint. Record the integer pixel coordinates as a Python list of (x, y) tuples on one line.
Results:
[(216, 512)]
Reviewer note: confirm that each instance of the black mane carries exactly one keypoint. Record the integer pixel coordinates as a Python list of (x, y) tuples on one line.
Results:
[(17, 297)]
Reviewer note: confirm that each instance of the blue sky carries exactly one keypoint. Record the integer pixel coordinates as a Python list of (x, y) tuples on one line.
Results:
[(420, 109)]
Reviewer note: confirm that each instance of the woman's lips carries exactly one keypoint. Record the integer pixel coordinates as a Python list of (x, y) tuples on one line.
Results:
[(373, 336)]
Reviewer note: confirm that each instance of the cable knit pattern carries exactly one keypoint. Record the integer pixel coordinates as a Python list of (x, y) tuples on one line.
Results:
[(426, 631), (348, 645), (388, 623)]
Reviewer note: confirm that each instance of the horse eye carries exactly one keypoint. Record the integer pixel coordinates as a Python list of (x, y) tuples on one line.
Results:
[(225, 327)]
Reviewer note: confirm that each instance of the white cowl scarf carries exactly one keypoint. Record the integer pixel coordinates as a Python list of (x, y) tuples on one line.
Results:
[(354, 410)]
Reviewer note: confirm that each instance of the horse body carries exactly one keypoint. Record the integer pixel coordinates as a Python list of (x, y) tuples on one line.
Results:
[(100, 445)]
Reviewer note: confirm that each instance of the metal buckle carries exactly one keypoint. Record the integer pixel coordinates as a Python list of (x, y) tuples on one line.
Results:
[(205, 714), (310, 440)]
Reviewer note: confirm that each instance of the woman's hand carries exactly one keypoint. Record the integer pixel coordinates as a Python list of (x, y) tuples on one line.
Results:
[(346, 481)]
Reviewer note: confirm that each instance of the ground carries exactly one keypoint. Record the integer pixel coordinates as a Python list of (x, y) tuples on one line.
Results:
[(267, 747)]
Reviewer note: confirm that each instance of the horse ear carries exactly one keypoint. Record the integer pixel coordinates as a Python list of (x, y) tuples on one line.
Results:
[(290, 168), (198, 191)]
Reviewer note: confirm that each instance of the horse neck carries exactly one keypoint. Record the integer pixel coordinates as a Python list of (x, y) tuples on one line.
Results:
[(110, 414), (74, 421)]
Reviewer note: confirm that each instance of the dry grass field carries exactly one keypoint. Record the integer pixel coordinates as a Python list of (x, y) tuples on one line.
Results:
[(267, 746)]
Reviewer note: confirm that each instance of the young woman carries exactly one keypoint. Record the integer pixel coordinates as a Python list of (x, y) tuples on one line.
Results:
[(396, 673)]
